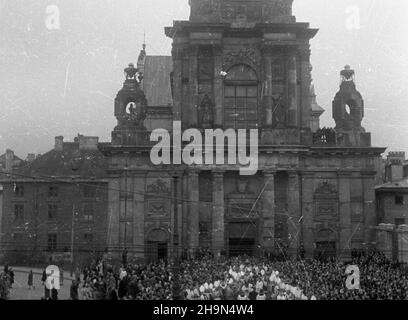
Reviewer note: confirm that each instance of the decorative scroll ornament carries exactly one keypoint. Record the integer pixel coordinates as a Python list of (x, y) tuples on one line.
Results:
[(326, 188), (158, 187), (242, 56), (206, 111)]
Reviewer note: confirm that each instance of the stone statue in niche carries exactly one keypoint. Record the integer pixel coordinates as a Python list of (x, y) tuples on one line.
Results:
[(278, 112), (132, 73), (242, 186), (206, 112)]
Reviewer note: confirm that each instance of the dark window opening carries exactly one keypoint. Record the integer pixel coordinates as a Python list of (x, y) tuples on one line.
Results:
[(399, 200), (52, 211), (88, 238), (89, 192), (52, 242), (89, 212), (399, 221), (19, 191), (53, 192), (19, 212)]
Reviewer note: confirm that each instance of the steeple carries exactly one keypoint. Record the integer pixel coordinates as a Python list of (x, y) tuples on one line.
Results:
[(141, 60), (130, 110)]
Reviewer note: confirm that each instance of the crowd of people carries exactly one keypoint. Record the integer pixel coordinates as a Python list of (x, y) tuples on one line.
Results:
[(6, 282), (246, 278), (206, 277), (128, 282)]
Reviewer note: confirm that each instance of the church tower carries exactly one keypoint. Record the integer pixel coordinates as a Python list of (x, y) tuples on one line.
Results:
[(130, 110), (248, 60)]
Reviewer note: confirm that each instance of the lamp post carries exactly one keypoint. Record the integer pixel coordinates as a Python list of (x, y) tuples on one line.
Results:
[(72, 237)]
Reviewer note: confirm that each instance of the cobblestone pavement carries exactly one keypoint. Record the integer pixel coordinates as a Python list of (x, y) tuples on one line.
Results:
[(20, 288)]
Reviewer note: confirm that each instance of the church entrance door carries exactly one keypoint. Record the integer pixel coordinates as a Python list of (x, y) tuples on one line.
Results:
[(157, 245), (325, 250), (242, 239)]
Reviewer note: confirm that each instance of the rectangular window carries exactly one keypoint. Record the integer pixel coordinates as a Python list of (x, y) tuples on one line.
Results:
[(52, 242), (241, 107), (88, 237), (399, 200), (52, 211), (19, 191), (19, 212), (399, 221), (89, 212), (89, 192), (53, 192)]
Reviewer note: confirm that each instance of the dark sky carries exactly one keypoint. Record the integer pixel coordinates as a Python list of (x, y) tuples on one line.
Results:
[(63, 82)]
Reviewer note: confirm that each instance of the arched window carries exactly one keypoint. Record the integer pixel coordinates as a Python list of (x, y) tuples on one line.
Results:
[(241, 98)]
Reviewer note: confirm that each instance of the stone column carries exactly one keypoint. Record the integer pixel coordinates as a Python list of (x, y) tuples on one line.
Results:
[(218, 213), (344, 250), (178, 215), (113, 215), (193, 78), (268, 212), (369, 206), (177, 54), (402, 239), (305, 66), (384, 238), (139, 214), (294, 213), (186, 211), (307, 222), (267, 95), (193, 214), (218, 87), (1, 218), (292, 91)]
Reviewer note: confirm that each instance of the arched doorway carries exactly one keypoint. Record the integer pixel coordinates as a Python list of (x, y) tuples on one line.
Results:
[(157, 245), (326, 245)]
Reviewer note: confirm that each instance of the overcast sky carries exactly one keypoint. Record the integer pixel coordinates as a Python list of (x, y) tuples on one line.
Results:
[(63, 82)]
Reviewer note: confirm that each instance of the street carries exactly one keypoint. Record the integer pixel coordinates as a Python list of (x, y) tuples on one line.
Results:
[(20, 288)]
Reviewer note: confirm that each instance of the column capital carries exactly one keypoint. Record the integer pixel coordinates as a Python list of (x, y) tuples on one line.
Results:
[(293, 174), (344, 174), (139, 173), (307, 175), (269, 172), (193, 172), (368, 174), (218, 173)]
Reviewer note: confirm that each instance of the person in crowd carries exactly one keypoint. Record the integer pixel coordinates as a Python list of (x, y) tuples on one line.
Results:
[(74, 290), (30, 281)]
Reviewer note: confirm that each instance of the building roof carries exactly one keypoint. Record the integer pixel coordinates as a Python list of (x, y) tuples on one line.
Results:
[(400, 184), (70, 162), (17, 162), (156, 80)]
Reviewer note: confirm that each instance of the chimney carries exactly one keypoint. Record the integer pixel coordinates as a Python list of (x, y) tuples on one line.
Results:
[(30, 157), (59, 143), (395, 166), (9, 160), (88, 143)]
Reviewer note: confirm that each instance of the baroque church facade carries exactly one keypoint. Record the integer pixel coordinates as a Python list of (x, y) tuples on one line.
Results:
[(241, 65)]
